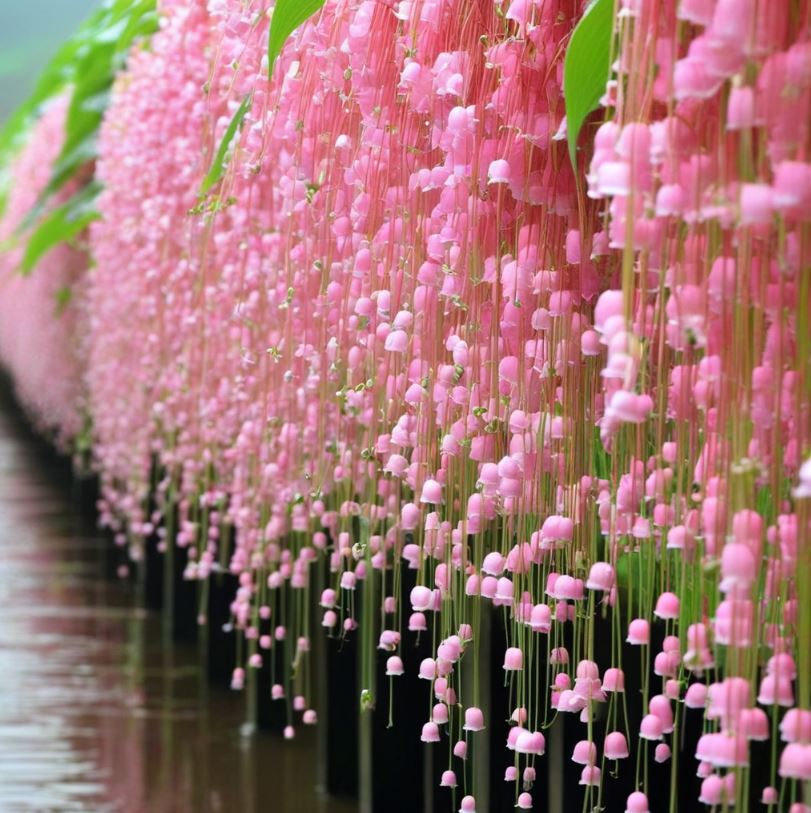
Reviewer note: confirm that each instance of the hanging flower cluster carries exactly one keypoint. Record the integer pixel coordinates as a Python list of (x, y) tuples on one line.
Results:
[(400, 333), (704, 165), (42, 319), (145, 291)]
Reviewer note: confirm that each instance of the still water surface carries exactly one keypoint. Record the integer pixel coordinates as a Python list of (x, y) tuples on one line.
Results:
[(96, 714)]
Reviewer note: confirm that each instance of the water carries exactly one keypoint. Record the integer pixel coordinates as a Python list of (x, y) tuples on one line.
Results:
[(96, 714)]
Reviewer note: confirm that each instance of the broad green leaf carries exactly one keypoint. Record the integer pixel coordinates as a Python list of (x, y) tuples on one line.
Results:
[(87, 63), (60, 72), (288, 15), (216, 169), (56, 76), (97, 103), (12, 135), (586, 67), (62, 224), (113, 26), (98, 53)]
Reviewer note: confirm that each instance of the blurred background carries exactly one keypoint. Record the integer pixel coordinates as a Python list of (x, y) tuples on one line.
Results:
[(30, 33)]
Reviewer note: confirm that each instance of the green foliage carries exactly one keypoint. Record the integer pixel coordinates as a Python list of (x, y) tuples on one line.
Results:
[(104, 44), (217, 168), (288, 15), (56, 76), (586, 67), (62, 224), (85, 66), (88, 61), (63, 298)]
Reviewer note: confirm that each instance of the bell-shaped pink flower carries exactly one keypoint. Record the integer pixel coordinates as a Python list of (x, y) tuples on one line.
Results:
[(637, 802), (585, 753), (394, 666), (430, 732), (513, 660), (474, 719), (431, 492), (601, 577), (638, 632), (651, 727), (614, 680), (498, 172), (615, 746), (667, 606), (795, 761)]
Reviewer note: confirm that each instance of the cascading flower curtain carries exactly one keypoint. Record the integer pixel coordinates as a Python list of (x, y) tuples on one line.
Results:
[(401, 335)]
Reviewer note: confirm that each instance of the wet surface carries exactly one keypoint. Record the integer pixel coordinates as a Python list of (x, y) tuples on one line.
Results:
[(97, 714)]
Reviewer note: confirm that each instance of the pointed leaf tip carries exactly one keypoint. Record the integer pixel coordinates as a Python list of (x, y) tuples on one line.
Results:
[(586, 67), (288, 15)]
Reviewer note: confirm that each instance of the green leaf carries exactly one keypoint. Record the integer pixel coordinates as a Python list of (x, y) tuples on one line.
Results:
[(62, 224), (97, 54), (288, 15), (63, 170), (88, 63), (57, 75), (586, 67), (63, 298), (216, 169), (64, 68)]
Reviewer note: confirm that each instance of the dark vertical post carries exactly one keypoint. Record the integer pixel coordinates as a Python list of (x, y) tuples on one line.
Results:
[(320, 681), (398, 755), (186, 600), (271, 715), (502, 794), (221, 654), (153, 566), (341, 713), (481, 757)]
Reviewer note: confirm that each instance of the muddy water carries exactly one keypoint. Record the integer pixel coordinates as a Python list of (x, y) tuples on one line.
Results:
[(96, 714)]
